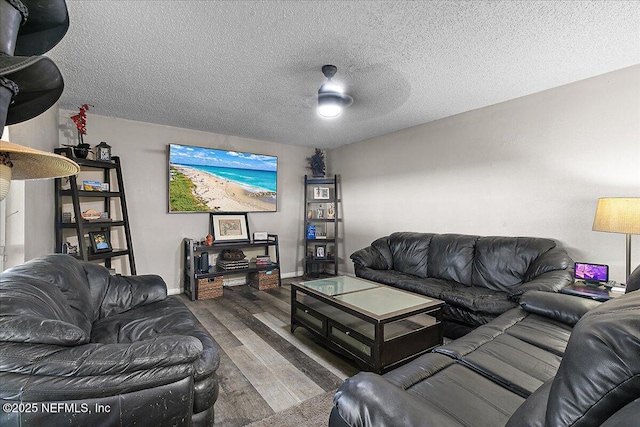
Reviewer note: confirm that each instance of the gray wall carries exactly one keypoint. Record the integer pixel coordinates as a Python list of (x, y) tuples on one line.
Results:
[(533, 166), (157, 235)]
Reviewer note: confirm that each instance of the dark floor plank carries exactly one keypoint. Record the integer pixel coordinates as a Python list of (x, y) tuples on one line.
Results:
[(238, 402), (234, 303), (245, 322)]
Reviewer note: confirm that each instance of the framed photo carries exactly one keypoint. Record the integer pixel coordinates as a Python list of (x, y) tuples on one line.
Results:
[(321, 252), (321, 193), (229, 227), (331, 211), (320, 212), (100, 241)]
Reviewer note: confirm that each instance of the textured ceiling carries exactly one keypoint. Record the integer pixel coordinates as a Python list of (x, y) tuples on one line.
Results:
[(252, 68)]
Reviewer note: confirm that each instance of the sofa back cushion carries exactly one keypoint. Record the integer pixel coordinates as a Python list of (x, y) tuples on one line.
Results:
[(410, 252), (451, 257), (50, 294), (33, 311), (502, 262), (600, 371)]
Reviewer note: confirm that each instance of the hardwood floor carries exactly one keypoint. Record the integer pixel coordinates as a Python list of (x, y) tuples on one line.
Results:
[(264, 368)]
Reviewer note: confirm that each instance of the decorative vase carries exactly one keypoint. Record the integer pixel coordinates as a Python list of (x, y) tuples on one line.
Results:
[(81, 150)]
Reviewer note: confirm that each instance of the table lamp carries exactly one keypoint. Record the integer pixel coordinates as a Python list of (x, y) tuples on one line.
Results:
[(619, 215)]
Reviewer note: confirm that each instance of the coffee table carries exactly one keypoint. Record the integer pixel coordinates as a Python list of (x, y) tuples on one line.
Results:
[(377, 326)]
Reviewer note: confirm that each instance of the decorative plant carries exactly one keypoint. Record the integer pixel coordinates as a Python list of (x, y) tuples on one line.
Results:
[(316, 163), (80, 120)]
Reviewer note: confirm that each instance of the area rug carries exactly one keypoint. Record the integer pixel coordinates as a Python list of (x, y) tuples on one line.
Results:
[(312, 412)]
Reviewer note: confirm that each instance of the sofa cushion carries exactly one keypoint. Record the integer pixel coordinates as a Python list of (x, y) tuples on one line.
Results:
[(410, 252), (532, 412), (493, 351), (34, 311), (65, 273), (432, 390), (166, 317), (477, 299), (600, 371), (451, 257), (502, 262)]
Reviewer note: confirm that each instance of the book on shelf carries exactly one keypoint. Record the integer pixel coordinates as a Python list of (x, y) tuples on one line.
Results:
[(232, 265), (260, 261)]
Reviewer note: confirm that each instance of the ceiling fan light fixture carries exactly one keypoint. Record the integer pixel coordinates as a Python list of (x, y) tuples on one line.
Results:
[(331, 99)]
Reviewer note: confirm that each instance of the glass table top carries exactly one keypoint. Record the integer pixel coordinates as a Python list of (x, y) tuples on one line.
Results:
[(377, 299), (338, 285), (383, 300)]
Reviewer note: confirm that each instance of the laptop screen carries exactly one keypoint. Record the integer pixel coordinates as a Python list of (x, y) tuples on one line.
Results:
[(591, 272)]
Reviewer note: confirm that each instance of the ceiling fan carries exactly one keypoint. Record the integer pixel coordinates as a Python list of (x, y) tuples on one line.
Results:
[(331, 97)]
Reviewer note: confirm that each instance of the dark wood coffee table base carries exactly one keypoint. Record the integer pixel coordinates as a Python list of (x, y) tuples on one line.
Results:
[(375, 343)]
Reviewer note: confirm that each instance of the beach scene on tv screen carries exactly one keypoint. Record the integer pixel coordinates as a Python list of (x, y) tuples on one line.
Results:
[(210, 180)]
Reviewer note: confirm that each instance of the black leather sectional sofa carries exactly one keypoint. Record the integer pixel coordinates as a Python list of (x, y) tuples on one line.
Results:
[(477, 277), (81, 347), (556, 360)]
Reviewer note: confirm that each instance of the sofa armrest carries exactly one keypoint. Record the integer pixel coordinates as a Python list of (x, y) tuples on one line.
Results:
[(567, 309), (124, 293), (377, 256), (367, 399), (554, 259), (369, 257), (551, 281), (106, 359)]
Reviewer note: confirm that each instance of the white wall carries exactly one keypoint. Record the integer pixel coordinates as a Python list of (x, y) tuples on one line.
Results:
[(157, 235), (30, 203), (533, 166)]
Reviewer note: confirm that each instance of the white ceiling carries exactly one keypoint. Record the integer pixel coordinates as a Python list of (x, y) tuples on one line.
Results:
[(252, 68)]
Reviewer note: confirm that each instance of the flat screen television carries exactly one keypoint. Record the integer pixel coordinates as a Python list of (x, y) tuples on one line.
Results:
[(591, 273), (211, 180)]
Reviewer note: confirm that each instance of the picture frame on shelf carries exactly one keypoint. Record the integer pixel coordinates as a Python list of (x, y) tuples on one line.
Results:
[(321, 193), (321, 252), (100, 241), (331, 211), (320, 212), (311, 232), (229, 227)]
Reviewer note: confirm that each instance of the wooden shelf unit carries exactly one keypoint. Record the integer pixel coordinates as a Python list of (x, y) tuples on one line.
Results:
[(314, 265), (191, 249), (82, 226)]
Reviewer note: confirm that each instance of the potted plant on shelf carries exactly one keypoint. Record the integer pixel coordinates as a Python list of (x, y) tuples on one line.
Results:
[(316, 164), (81, 150)]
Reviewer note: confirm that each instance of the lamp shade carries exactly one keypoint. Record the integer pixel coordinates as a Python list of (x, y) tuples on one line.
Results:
[(19, 162), (618, 215)]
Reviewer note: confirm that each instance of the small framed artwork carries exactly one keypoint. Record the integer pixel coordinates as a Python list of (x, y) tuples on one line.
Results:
[(321, 251), (321, 193), (320, 212), (100, 241), (229, 227)]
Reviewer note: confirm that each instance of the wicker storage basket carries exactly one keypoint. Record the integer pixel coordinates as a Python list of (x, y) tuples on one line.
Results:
[(265, 279), (209, 288)]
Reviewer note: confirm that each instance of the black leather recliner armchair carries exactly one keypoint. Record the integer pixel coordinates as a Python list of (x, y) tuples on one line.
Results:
[(81, 347)]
